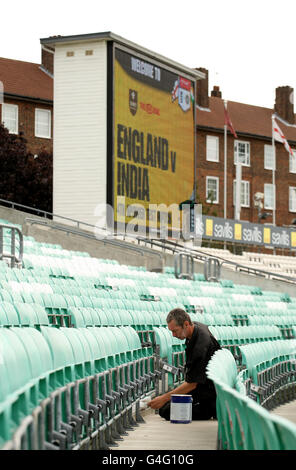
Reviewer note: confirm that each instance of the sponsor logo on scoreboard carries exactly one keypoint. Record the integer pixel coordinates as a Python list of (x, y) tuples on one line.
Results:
[(182, 92), (149, 108), (133, 101)]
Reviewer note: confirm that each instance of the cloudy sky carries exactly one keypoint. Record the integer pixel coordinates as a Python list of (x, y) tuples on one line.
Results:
[(248, 47)]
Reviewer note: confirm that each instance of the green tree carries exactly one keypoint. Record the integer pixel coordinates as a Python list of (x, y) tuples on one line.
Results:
[(24, 179)]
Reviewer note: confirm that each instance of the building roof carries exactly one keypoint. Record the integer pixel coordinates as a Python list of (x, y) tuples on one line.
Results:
[(246, 119), (25, 79), (52, 41)]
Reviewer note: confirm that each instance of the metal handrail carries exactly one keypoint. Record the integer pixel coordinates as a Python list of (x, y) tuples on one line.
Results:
[(14, 258), (106, 240), (202, 256), (41, 211)]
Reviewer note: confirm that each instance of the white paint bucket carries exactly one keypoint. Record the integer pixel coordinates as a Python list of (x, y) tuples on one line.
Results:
[(181, 409)]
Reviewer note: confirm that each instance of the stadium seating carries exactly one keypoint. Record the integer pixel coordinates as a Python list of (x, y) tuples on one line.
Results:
[(244, 424), (83, 340), (282, 265)]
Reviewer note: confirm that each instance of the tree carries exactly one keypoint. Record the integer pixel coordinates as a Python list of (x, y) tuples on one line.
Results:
[(24, 179)]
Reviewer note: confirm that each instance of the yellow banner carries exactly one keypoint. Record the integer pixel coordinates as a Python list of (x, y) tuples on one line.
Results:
[(238, 231), (266, 235), (293, 239), (209, 227), (153, 136)]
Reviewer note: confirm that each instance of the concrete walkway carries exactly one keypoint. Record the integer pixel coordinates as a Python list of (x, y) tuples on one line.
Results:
[(287, 411), (158, 434)]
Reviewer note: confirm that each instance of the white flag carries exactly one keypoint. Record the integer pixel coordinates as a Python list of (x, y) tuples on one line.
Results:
[(279, 136)]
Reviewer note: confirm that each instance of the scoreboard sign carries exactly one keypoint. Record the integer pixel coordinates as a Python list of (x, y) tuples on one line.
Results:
[(153, 139)]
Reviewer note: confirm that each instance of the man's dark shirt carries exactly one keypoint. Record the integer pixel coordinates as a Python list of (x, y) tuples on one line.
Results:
[(199, 349)]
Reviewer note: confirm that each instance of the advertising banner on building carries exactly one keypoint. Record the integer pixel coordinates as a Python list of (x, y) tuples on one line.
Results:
[(215, 228), (153, 146)]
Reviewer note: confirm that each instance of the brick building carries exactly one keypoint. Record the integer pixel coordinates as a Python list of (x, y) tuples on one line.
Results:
[(253, 126), (27, 108), (27, 101)]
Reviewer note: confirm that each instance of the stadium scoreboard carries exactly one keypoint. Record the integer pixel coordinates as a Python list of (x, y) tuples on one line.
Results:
[(153, 140), (124, 140)]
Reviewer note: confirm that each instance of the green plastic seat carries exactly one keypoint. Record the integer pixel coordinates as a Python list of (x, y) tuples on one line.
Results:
[(286, 432), (27, 314), (134, 343), (21, 384), (163, 338), (77, 317), (97, 351), (42, 317), (109, 343), (61, 352), (83, 359), (86, 301), (236, 411), (39, 357), (226, 374), (3, 316), (6, 296), (122, 345), (103, 317), (259, 419)]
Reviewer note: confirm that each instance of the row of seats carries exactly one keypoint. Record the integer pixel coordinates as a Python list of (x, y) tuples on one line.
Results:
[(285, 265), (271, 366), (16, 313), (232, 335), (43, 294), (244, 424), (36, 363)]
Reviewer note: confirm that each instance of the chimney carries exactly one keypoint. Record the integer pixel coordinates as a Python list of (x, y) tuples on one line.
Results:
[(47, 59), (284, 105), (202, 89), (216, 92)]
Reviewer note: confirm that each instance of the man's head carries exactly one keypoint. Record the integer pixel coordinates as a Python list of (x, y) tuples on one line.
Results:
[(179, 323)]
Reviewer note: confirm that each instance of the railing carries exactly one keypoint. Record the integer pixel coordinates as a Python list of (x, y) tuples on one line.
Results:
[(15, 253), (176, 248), (90, 236)]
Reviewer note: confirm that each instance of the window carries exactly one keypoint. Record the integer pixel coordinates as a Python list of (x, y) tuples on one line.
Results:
[(43, 123), (212, 148), (292, 162), (269, 196), (245, 193), (268, 157), (212, 189), (242, 152), (10, 117), (292, 199)]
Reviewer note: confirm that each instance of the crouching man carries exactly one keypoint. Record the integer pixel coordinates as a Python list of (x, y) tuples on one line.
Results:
[(200, 346)]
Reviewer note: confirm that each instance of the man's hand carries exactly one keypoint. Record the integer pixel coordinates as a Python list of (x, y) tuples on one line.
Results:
[(158, 402), (161, 400)]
